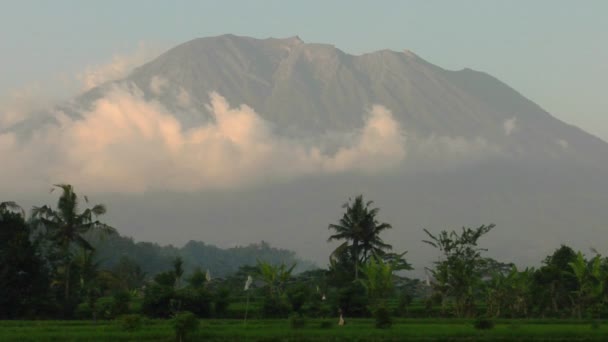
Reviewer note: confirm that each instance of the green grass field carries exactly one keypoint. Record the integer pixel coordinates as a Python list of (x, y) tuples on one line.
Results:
[(280, 330)]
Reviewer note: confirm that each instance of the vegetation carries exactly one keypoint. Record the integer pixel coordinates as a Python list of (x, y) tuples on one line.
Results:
[(50, 268)]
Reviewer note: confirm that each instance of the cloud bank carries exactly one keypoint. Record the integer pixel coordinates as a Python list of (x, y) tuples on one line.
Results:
[(125, 143)]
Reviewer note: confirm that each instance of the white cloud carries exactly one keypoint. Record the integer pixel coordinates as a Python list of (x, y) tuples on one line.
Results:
[(564, 144), (158, 84), (510, 126), (183, 98), (127, 144), (119, 67)]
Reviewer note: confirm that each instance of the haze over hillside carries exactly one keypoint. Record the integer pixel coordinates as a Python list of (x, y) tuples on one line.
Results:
[(232, 140)]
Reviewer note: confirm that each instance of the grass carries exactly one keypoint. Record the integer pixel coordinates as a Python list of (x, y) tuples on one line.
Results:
[(279, 330)]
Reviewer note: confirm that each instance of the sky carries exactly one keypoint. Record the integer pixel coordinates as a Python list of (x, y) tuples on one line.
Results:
[(554, 52)]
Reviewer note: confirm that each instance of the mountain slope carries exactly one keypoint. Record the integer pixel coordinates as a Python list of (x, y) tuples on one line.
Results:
[(477, 151)]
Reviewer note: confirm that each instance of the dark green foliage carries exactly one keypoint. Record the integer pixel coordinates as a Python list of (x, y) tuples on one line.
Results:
[(458, 275), (483, 323), (360, 231), (298, 295), (297, 321), (197, 301), (405, 299), (66, 227), (326, 324), (382, 318), (221, 301), (24, 279), (129, 274), (275, 307), (596, 324), (197, 278), (157, 301), (130, 322), (353, 300), (166, 279), (120, 303), (185, 324)]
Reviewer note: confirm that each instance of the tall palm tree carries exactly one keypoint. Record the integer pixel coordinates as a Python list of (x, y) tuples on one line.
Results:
[(66, 226), (361, 230)]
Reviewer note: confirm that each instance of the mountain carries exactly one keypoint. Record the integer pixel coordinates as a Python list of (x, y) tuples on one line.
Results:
[(477, 151)]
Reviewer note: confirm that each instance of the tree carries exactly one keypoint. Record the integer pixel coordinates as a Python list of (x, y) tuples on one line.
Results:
[(553, 283), (65, 226), (591, 280), (24, 278), (361, 231), (178, 270), (458, 275), (275, 278), (377, 280)]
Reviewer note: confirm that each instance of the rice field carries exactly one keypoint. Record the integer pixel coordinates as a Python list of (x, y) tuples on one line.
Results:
[(280, 330)]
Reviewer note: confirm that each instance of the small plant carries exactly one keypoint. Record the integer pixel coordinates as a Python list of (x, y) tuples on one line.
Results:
[(131, 322), (185, 324), (325, 324), (483, 323), (383, 318), (297, 321)]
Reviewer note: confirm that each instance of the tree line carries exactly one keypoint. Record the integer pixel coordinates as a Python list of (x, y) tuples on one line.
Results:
[(49, 268)]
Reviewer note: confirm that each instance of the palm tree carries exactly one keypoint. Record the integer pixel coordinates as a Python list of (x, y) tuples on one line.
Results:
[(359, 227), (66, 226)]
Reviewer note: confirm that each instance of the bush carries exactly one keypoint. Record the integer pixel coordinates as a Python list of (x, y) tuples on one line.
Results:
[(353, 300), (120, 304), (185, 324), (297, 296), (197, 301), (274, 307), (483, 323), (157, 301), (130, 322), (326, 324), (595, 324), (383, 318), (297, 321), (104, 307), (222, 301)]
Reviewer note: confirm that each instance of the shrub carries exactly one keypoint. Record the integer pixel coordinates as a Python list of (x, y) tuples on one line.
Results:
[(130, 322), (297, 321), (157, 301), (383, 318), (326, 324), (297, 296), (222, 301), (197, 301), (353, 300), (595, 324), (274, 307), (185, 324), (120, 304), (483, 323), (104, 308)]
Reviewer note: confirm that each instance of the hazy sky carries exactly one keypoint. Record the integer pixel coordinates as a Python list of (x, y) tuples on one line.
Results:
[(554, 52)]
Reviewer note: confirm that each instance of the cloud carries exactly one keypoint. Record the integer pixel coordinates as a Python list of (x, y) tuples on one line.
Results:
[(564, 144), (127, 144), (158, 84), (119, 66), (510, 126), (183, 98)]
